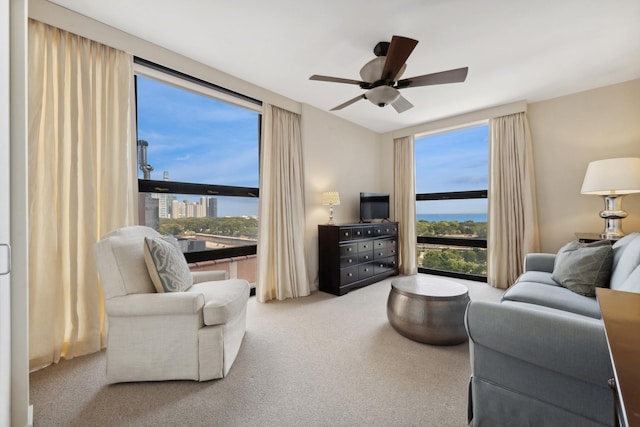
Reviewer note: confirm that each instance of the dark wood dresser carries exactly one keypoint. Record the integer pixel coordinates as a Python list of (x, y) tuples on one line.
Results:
[(356, 255)]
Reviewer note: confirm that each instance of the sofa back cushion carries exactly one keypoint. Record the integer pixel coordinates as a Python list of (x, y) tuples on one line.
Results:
[(626, 259), (120, 260)]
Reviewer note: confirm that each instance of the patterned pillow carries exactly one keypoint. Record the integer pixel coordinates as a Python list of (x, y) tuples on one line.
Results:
[(166, 264), (583, 267)]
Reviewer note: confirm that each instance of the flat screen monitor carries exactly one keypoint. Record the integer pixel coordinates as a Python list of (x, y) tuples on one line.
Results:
[(374, 206)]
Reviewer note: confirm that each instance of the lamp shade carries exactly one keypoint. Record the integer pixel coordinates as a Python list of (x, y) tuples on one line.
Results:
[(612, 176), (331, 198)]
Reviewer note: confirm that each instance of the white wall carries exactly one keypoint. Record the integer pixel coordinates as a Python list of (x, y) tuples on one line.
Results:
[(569, 132), (339, 156)]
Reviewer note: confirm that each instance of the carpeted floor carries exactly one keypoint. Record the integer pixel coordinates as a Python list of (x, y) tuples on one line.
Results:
[(315, 361)]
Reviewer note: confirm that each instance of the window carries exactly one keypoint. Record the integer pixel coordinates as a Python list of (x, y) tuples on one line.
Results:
[(198, 164), (451, 202)]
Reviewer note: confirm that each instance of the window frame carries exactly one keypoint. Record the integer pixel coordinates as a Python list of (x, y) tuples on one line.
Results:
[(184, 81)]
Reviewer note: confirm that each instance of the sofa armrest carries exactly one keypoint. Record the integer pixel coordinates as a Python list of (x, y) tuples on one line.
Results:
[(539, 262), (568, 344), (208, 276), (160, 304)]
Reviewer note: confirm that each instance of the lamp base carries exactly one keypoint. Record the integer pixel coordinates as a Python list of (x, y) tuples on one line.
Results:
[(612, 215), (331, 221)]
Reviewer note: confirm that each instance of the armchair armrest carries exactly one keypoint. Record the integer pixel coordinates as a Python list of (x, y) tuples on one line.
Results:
[(568, 344), (539, 262), (170, 303), (208, 276)]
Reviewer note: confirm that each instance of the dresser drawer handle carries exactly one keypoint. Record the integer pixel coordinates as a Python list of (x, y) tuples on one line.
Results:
[(350, 261), (349, 274), (366, 257)]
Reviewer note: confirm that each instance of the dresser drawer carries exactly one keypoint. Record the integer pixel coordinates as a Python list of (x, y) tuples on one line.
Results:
[(391, 251), (346, 233), (386, 230), (362, 232), (348, 275), (349, 250), (384, 265), (365, 246), (365, 256), (348, 261), (380, 243), (365, 270), (380, 253)]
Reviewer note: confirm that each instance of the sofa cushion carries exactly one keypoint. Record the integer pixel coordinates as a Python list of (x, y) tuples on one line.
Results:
[(223, 300), (553, 297), (538, 276), (166, 264), (632, 284), (581, 267), (626, 258)]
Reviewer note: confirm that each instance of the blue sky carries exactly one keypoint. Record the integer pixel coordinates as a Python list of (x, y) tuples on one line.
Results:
[(198, 139), (453, 161)]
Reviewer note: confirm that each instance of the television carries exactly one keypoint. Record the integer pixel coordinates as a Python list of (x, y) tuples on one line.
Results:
[(374, 206)]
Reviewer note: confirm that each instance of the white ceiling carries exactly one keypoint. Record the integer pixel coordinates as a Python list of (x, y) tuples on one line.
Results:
[(515, 50)]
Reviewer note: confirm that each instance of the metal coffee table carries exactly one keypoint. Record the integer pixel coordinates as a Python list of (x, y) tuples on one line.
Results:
[(428, 309)]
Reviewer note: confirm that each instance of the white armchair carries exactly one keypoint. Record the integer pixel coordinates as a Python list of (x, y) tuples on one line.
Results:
[(195, 334)]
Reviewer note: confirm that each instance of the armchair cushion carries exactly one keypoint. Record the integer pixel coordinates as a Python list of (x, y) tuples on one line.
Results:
[(222, 299), (582, 267), (167, 266)]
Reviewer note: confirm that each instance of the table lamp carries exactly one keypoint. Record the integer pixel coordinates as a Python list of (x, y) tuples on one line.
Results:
[(331, 199), (612, 179)]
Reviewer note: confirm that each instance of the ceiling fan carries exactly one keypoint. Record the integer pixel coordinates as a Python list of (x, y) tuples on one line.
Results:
[(380, 76)]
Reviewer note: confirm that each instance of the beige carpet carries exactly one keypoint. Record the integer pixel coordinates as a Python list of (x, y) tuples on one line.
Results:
[(315, 361)]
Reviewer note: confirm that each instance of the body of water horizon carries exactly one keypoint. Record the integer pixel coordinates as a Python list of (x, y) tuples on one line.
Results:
[(460, 217)]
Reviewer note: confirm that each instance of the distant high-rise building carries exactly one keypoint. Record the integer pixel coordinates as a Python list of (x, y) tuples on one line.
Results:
[(149, 216), (212, 207), (164, 200), (178, 209)]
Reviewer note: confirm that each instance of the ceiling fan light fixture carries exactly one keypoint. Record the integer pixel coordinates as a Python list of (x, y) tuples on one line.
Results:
[(382, 95), (372, 71)]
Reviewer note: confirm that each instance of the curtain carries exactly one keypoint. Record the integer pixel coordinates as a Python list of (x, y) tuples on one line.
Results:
[(82, 184), (513, 220), (282, 271), (405, 202)]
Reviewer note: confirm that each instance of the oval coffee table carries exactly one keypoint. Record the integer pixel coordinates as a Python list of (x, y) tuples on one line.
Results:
[(428, 309)]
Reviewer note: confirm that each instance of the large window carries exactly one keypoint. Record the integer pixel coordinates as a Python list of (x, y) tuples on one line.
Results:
[(198, 163), (451, 202)]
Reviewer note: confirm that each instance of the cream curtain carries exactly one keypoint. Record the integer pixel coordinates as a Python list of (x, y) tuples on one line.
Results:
[(82, 184), (513, 220), (405, 202), (282, 271)]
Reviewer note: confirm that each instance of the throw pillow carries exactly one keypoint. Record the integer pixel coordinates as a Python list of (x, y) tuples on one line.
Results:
[(582, 267), (166, 264)]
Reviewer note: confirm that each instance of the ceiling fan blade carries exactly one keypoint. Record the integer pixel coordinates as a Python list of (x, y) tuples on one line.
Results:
[(401, 104), (451, 76), (335, 80), (349, 102), (399, 50)]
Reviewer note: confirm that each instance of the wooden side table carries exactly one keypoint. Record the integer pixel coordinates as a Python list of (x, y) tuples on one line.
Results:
[(621, 316)]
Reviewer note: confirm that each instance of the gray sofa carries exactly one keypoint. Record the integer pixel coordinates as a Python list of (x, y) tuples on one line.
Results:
[(540, 357)]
